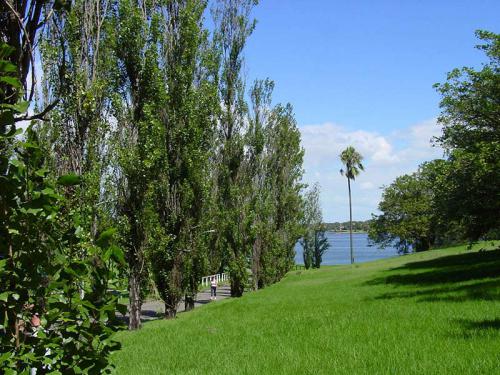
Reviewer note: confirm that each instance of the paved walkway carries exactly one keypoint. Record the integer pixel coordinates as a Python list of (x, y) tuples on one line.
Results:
[(155, 309)]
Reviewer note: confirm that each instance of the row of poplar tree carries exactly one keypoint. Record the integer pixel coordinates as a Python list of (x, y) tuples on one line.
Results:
[(145, 157)]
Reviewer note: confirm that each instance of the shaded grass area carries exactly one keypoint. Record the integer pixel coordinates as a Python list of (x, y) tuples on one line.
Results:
[(456, 278), (436, 312)]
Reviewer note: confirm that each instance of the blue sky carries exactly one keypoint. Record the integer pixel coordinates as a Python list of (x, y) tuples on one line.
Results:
[(361, 73)]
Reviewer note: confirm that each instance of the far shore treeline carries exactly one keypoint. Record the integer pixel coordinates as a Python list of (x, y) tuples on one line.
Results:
[(357, 226)]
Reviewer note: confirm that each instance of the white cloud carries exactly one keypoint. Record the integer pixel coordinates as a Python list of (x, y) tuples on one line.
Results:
[(367, 185), (328, 140), (418, 138), (386, 156), (423, 132)]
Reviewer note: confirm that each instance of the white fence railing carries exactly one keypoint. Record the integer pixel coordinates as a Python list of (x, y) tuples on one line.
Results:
[(220, 277)]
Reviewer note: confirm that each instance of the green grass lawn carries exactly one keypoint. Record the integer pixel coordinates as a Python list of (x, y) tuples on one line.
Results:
[(436, 312)]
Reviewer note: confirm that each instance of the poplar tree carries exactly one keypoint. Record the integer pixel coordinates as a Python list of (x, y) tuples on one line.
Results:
[(233, 27), (260, 206), (139, 134), (271, 171), (77, 65), (312, 220), (180, 195), (284, 163)]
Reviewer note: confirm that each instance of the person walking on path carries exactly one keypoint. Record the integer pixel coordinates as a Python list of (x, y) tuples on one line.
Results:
[(213, 288)]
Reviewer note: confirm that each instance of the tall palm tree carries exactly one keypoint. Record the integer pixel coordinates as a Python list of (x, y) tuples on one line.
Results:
[(352, 161)]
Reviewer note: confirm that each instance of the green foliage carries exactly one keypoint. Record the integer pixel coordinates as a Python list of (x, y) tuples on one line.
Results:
[(10, 106), (49, 269), (69, 180), (233, 27), (78, 70), (471, 133), (284, 175), (457, 198), (426, 208), (470, 101), (139, 138), (191, 101), (271, 172), (467, 194), (408, 221), (321, 245), (352, 161), (313, 241)]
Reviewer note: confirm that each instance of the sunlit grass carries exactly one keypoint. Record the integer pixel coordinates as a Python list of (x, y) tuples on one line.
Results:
[(436, 312)]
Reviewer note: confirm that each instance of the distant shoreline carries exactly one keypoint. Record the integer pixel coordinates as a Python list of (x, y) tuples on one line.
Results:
[(347, 231)]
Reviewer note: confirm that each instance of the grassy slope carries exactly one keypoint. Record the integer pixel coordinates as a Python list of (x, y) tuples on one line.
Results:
[(429, 313)]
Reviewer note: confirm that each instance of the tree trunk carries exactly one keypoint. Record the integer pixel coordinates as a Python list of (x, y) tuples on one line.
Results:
[(350, 220), (256, 263), (238, 275), (236, 288), (135, 302), (237, 283), (170, 311), (189, 302)]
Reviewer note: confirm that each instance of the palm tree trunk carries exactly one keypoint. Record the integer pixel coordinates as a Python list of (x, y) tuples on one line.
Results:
[(350, 220)]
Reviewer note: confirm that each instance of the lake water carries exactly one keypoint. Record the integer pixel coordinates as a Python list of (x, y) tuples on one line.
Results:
[(339, 253)]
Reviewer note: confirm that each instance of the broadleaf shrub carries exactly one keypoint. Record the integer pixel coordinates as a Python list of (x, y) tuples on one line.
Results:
[(56, 312)]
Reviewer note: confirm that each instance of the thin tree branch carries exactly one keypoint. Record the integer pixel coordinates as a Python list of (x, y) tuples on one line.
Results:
[(40, 115)]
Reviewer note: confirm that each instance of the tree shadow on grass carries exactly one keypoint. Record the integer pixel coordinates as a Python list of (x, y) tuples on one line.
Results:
[(465, 259), (438, 278), (482, 324), (474, 328), (485, 291)]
